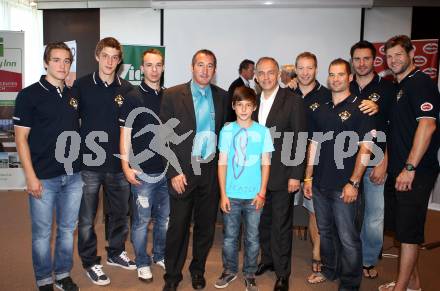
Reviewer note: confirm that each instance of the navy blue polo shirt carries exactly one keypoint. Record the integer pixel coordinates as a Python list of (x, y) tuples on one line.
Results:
[(143, 97), (99, 110), (315, 98), (382, 92), (417, 97), (343, 117), (48, 112)]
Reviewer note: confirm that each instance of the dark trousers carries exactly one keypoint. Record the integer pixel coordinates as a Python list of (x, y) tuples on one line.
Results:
[(117, 194), (341, 248), (276, 231), (202, 199)]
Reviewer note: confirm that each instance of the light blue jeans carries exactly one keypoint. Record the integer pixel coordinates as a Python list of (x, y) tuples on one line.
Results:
[(150, 201), (372, 227), (62, 193)]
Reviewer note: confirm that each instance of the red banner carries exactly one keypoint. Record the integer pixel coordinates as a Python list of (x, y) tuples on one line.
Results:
[(425, 58)]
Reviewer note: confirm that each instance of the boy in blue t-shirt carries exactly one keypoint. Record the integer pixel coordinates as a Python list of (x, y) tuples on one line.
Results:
[(243, 172)]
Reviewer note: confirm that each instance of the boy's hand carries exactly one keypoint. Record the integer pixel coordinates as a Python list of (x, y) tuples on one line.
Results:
[(259, 201), (307, 189), (130, 175), (225, 205)]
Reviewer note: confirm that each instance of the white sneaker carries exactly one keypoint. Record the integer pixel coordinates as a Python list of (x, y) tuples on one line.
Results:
[(161, 264), (144, 274)]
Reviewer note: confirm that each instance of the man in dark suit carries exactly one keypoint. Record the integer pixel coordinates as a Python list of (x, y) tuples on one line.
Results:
[(199, 108), (283, 111), (246, 72)]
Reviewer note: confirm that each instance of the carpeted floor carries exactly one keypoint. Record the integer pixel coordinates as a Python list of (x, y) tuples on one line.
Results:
[(16, 271)]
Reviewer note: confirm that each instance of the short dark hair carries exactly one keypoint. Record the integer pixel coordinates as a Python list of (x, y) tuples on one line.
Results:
[(56, 45), (154, 52), (244, 65), (340, 61), (402, 40), (262, 59), (244, 93), (307, 55), (204, 52), (363, 44), (108, 42)]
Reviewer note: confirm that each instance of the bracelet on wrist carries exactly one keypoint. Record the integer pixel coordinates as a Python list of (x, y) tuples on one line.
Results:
[(308, 179), (261, 196)]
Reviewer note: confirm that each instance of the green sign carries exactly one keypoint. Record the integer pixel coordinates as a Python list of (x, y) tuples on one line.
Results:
[(2, 50), (132, 60)]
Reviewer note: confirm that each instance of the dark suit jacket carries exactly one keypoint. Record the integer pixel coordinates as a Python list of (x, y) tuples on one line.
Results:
[(177, 102), (287, 114), (230, 113)]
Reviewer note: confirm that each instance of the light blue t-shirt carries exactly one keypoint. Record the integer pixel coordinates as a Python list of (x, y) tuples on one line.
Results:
[(244, 147)]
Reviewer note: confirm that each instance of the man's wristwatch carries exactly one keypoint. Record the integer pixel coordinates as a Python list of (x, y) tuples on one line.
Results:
[(354, 184), (409, 167)]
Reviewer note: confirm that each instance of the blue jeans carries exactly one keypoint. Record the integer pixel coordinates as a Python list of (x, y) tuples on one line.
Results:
[(150, 200), (341, 249), (64, 194), (117, 195), (232, 222), (372, 227)]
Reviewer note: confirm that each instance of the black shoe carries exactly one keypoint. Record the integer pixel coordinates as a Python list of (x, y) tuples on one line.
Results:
[(48, 287), (66, 284), (198, 281), (170, 286), (263, 268), (282, 284)]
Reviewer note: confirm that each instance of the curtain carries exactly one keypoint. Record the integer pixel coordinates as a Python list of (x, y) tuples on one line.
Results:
[(18, 15)]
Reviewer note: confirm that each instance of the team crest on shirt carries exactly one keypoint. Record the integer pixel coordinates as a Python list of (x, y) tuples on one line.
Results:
[(399, 94), (374, 97), (425, 107), (73, 102), (344, 115), (314, 106), (119, 100)]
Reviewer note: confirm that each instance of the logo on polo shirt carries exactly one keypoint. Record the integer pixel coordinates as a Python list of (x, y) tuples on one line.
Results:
[(74, 103), (119, 100), (314, 106), (399, 94), (426, 107), (344, 115), (430, 48), (374, 97)]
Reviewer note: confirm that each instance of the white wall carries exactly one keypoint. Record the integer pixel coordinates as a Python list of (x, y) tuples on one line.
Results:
[(131, 25), (236, 34), (381, 23)]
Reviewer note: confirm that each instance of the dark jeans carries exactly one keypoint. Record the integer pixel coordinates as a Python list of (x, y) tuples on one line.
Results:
[(341, 248), (201, 199), (276, 231), (242, 210), (117, 194)]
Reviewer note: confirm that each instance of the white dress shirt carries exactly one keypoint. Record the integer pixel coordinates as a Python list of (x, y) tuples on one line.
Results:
[(265, 106)]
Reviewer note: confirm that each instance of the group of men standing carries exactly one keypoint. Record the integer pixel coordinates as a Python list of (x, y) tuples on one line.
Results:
[(118, 128)]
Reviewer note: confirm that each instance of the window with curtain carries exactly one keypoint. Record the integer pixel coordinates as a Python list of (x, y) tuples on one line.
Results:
[(18, 15)]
